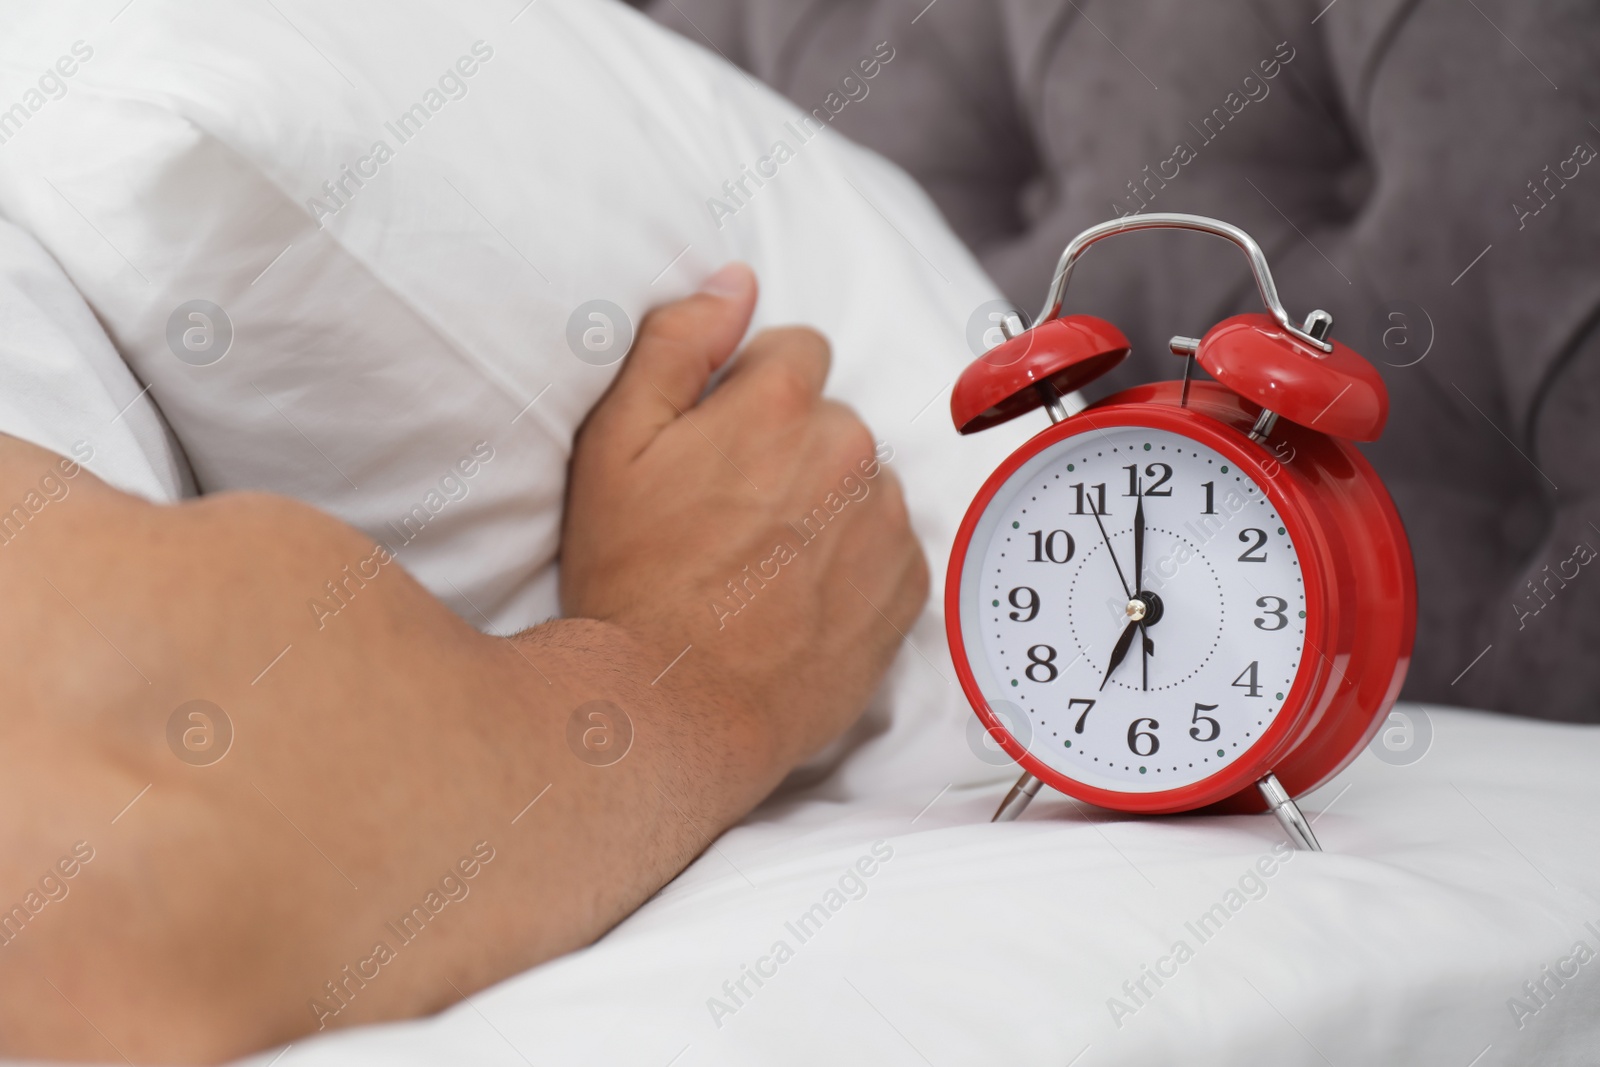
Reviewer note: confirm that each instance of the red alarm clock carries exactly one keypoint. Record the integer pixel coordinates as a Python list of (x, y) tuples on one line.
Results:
[(1190, 594)]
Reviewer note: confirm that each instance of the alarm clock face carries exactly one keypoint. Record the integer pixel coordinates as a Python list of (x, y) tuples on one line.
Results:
[(1133, 681)]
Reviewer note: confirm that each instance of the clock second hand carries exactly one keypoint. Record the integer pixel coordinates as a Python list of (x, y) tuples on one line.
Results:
[(1110, 551)]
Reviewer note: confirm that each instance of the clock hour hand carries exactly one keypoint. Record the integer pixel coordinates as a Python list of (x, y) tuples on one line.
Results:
[(1120, 652)]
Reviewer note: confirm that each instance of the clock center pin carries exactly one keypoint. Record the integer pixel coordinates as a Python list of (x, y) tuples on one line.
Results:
[(1145, 607)]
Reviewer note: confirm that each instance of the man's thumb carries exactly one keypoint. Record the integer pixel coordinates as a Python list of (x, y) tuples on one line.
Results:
[(679, 347)]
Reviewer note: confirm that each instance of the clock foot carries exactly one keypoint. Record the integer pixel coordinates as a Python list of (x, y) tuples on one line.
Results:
[(1025, 790), (1288, 813)]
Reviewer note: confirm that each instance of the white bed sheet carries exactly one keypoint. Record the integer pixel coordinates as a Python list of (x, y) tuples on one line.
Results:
[(1446, 885)]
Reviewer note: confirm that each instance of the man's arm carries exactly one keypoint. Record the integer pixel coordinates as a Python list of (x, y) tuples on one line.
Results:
[(366, 848)]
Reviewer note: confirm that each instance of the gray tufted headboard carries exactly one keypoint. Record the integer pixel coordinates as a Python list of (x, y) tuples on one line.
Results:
[(1426, 170)]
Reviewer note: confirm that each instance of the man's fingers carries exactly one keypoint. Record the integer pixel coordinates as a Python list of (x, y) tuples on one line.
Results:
[(807, 350), (781, 372), (679, 346)]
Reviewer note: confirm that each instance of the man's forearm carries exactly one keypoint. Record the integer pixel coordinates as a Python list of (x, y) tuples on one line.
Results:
[(406, 811), (294, 791)]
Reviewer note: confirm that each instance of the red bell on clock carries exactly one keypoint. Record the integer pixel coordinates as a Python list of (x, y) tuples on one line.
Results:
[(1190, 595), (1027, 370)]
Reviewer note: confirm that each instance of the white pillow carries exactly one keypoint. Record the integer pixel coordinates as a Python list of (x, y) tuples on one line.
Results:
[(63, 387), (401, 315)]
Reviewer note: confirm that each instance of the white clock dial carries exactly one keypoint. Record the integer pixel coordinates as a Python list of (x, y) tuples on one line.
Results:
[(1211, 634)]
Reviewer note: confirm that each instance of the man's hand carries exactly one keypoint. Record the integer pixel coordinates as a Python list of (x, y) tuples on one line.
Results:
[(755, 532), (407, 810)]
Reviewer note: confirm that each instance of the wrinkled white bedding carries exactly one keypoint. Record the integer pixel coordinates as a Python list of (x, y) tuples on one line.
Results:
[(1447, 885)]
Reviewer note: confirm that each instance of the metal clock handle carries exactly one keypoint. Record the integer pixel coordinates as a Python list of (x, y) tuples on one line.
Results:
[(1316, 326)]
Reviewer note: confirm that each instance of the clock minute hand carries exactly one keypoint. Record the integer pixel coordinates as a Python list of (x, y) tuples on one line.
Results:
[(1147, 646), (1120, 652), (1138, 542)]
